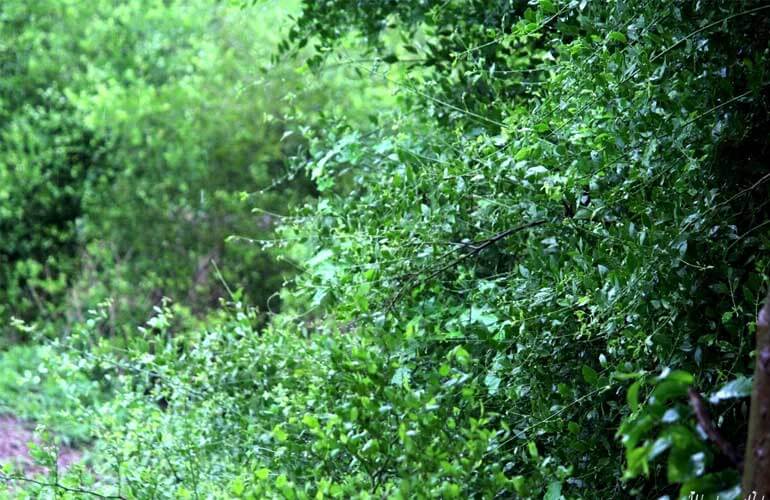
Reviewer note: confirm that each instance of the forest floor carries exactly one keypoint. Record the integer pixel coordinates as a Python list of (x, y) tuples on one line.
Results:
[(15, 436)]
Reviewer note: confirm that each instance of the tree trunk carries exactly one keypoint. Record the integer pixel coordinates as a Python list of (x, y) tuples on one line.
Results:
[(756, 471)]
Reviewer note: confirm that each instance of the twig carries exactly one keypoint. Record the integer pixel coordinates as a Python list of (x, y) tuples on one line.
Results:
[(6, 478), (475, 250), (479, 247), (705, 422), (707, 27), (222, 279)]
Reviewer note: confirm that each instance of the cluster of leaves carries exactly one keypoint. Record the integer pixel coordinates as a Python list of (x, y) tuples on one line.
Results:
[(661, 424), (571, 224), (32, 388), (247, 414), (568, 198)]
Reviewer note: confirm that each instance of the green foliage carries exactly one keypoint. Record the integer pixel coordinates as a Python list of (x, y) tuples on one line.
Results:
[(559, 213), (136, 137), (564, 199), (659, 428), (34, 386), (188, 129)]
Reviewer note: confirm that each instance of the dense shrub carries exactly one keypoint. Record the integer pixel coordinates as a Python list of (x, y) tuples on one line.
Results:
[(509, 283), (138, 136), (558, 214), (44, 158)]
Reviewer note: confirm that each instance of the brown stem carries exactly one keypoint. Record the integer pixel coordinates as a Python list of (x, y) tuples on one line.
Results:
[(756, 473), (704, 420)]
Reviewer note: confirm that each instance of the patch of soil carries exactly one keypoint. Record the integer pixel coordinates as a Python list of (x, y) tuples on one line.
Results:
[(14, 436)]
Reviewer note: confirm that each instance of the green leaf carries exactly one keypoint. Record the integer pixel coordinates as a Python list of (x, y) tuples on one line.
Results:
[(492, 381), (461, 355), (686, 458), (633, 396), (683, 465), (536, 171), (279, 434), (554, 491), (618, 375), (633, 431), (532, 447), (320, 257), (659, 446), (401, 377), (482, 315), (617, 36), (547, 6), (667, 390), (589, 374), (262, 474), (237, 487), (311, 421), (637, 462), (735, 389), (281, 481), (519, 484)]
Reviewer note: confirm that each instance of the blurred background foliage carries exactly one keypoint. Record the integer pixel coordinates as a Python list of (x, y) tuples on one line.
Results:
[(138, 136), (513, 234)]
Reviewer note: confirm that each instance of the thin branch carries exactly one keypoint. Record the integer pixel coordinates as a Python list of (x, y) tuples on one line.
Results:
[(480, 246), (476, 249), (58, 486), (707, 27), (705, 422)]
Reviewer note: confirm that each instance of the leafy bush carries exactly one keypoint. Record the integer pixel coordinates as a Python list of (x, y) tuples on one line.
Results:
[(560, 212), (567, 199), (136, 138), (32, 386), (43, 159)]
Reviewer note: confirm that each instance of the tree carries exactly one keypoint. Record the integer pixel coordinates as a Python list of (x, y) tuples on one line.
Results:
[(756, 472)]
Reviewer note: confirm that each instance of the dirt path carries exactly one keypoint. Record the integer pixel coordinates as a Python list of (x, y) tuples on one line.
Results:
[(14, 436)]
